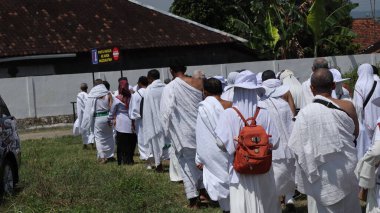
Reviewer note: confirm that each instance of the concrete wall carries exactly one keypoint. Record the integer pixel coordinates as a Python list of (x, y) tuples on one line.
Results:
[(40, 96)]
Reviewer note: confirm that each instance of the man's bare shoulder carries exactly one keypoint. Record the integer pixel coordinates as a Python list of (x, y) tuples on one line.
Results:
[(347, 106)]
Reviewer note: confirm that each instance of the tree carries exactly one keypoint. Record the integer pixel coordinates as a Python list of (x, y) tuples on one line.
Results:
[(278, 29), (328, 28)]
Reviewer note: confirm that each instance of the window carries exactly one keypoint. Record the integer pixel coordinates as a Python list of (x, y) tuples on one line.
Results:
[(3, 109)]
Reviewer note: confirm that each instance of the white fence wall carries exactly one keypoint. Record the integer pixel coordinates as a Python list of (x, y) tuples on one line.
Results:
[(51, 95)]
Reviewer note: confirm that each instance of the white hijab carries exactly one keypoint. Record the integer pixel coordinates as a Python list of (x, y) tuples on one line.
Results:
[(245, 100), (231, 78), (365, 81)]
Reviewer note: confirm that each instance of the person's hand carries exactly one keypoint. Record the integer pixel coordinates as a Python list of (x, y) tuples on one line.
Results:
[(200, 166), (363, 194)]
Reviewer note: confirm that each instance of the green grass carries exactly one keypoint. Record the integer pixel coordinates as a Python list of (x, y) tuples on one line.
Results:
[(56, 175)]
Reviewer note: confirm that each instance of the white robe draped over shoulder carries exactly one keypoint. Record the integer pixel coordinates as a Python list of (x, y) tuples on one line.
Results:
[(154, 136), (283, 159), (135, 114), (214, 160), (323, 143), (368, 173), (179, 109)]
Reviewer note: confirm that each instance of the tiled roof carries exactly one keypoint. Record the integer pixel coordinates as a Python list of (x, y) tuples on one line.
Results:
[(72, 26), (367, 30)]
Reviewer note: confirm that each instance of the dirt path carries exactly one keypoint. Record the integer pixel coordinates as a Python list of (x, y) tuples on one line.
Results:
[(45, 134)]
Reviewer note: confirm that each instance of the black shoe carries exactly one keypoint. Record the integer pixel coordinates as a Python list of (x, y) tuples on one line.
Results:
[(111, 159), (159, 169)]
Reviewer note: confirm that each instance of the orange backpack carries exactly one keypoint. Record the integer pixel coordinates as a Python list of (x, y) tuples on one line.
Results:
[(253, 152)]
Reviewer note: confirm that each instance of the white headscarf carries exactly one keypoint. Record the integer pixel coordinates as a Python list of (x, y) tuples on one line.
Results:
[(259, 79), (365, 81), (245, 93)]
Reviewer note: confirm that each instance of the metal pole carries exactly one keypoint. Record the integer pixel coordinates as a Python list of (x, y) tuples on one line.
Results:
[(121, 73), (93, 79), (73, 103)]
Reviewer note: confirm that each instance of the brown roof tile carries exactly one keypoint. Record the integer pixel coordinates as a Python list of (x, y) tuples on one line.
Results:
[(71, 26)]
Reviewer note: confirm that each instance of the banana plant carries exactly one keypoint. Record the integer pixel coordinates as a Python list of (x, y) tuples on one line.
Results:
[(319, 22)]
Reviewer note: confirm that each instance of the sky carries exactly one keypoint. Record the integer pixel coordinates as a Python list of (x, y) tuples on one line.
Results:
[(362, 11)]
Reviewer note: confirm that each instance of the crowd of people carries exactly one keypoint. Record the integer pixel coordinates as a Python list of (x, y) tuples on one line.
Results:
[(248, 142)]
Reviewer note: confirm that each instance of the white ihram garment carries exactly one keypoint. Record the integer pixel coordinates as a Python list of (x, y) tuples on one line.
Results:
[(97, 102), (248, 193), (87, 136), (322, 141), (134, 114), (369, 174), (307, 95), (154, 136), (178, 108), (283, 160), (367, 117), (214, 160)]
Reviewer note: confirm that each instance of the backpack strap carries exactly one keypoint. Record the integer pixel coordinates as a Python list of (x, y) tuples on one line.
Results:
[(240, 115), (370, 94), (253, 119)]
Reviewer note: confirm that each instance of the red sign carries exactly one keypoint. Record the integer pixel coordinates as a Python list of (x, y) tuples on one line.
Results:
[(115, 53)]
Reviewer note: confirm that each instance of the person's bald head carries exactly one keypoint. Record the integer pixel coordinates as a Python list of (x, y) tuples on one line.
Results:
[(320, 63), (322, 81)]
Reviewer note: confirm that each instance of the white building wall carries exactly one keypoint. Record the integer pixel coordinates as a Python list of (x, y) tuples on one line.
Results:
[(51, 95)]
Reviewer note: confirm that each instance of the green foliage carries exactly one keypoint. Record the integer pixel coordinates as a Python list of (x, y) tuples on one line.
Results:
[(279, 29)]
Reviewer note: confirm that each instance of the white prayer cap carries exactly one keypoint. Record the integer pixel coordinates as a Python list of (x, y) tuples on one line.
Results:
[(338, 76), (246, 80), (259, 79), (274, 89), (231, 77), (376, 101)]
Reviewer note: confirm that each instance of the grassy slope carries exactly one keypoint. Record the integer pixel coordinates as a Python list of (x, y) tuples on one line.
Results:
[(57, 175)]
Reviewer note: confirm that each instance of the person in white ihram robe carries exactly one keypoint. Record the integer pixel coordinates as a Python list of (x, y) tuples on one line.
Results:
[(283, 160), (228, 93), (368, 171), (154, 136), (287, 78), (248, 193), (322, 141), (213, 159), (178, 109), (135, 114), (87, 136), (367, 115), (95, 117)]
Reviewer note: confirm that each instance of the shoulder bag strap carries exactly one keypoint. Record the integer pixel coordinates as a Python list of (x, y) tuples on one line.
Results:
[(370, 94), (240, 115), (329, 105)]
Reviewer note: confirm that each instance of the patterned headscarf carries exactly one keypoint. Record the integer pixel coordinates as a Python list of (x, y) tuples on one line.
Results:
[(124, 93)]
